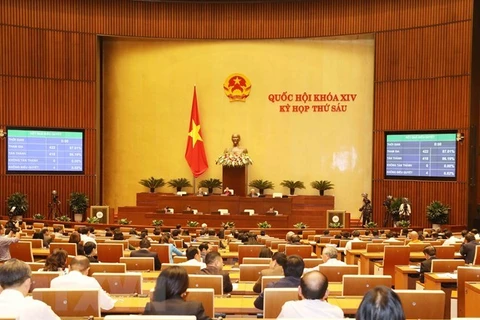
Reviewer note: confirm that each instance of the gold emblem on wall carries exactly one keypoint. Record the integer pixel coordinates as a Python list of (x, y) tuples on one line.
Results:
[(237, 87)]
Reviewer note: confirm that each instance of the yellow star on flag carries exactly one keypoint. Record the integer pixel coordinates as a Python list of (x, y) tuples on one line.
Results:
[(195, 133)]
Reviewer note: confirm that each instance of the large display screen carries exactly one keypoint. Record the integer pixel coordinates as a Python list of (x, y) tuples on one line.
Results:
[(48, 151), (421, 155)]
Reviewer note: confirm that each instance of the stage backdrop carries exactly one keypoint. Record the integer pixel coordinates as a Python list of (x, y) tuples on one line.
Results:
[(148, 89)]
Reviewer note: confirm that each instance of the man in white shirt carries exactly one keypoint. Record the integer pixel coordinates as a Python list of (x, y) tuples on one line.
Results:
[(86, 236), (329, 257), (451, 240), (313, 291), (15, 279), (356, 235), (78, 278), (194, 258)]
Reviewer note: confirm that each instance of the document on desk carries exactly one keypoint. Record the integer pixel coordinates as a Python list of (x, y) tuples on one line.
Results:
[(416, 267), (447, 275)]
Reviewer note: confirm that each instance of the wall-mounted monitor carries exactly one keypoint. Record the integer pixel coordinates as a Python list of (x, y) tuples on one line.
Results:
[(421, 155), (45, 151)]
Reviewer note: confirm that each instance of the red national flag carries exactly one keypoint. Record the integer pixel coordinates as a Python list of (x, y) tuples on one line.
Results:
[(195, 152)]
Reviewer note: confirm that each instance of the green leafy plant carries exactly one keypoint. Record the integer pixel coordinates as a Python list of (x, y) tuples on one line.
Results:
[(78, 202), (229, 224), (292, 185), (300, 225), (157, 223), (395, 208), (261, 185), (335, 225), (93, 220), (437, 212), (124, 221), (370, 225), (179, 183), (264, 225), (403, 224), (210, 184), (38, 216), (63, 218), (322, 185), (18, 201), (152, 183), (192, 224)]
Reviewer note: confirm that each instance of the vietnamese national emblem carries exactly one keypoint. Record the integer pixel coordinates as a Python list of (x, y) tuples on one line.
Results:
[(237, 87)]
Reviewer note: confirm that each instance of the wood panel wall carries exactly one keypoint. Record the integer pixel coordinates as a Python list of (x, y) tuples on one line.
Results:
[(422, 71)]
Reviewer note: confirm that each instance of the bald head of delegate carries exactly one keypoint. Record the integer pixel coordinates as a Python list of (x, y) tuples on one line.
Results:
[(80, 264), (313, 286)]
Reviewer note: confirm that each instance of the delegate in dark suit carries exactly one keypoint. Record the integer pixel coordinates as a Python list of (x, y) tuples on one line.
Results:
[(467, 250), (425, 266), (176, 306), (227, 282), (144, 253), (287, 282)]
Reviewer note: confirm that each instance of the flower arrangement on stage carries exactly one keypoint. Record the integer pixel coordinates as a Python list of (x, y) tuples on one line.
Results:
[(124, 221), (264, 225), (192, 224), (335, 225), (157, 223), (228, 224), (234, 160)]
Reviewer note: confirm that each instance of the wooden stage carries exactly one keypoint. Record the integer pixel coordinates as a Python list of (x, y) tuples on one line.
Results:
[(308, 209)]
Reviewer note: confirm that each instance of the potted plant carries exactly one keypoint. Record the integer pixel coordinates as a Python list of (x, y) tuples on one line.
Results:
[(210, 184), (157, 223), (300, 225), (38, 216), (370, 225), (322, 185), (93, 220), (229, 224), (437, 213), (124, 221), (78, 203), (261, 185), (264, 225), (17, 205), (292, 185), (179, 183), (403, 224), (152, 183), (63, 218), (192, 224), (335, 225)]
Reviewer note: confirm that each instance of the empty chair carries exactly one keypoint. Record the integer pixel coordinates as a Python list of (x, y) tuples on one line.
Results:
[(358, 285), (70, 302), (163, 251), (206, 281), (445, 252), (233, 246), (446, 265), (392, 256), (138, 263), (179, 259), (465, 274), (251, 272), (376, 247), (336, 273), (359, 245), (248, 251), (107, 267), (418, 247), (274, 298), (34, 266), (36, 243), (476, 259), (276, 243), (307, 233), (22, 250), (423, 304), (120, 283), (71, 248), (109, 252), (304, 251)]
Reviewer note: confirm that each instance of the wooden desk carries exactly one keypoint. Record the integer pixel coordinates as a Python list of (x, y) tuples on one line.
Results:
[(433, 281), (401, 276), (45, 252), (366, 258), (472, 297), (228, 305)]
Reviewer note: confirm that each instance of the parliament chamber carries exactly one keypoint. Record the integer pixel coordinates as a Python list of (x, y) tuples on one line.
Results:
[(318, 91)]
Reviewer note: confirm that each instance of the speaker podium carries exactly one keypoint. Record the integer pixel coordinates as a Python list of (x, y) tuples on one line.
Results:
[(236, 178)]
